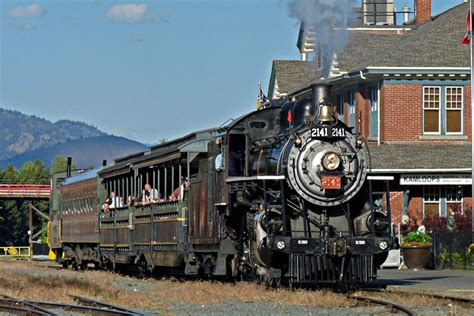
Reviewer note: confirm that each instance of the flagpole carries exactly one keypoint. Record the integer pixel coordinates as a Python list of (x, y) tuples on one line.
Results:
[(472, 107)]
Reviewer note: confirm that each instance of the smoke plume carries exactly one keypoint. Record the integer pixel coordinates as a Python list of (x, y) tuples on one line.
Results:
[(329, 19)]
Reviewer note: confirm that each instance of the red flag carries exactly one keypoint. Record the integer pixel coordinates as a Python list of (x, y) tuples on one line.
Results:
[(467, 38)]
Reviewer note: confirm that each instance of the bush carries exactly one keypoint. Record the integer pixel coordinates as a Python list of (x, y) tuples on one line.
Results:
[(417, 239)]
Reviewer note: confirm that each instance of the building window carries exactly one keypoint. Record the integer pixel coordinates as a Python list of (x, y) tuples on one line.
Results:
[(443, 110), (431, 201), (442, 201), (374, 109), (454, 102), (352, 109), (454, 199), (431, 110), (340, 107)]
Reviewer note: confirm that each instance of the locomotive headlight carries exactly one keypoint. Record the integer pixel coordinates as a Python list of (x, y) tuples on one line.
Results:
[(280, 245), (383, 245), (331, 161)]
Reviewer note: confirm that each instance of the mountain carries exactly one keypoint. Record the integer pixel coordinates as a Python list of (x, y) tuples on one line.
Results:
[(77, 129), (85, 152), (20, 133)]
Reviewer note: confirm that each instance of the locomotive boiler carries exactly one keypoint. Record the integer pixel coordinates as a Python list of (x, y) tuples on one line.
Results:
[(281, 194)]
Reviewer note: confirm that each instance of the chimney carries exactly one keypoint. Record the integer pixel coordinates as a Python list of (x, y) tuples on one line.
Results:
[(423, 11), (68, 167), (320, 92)]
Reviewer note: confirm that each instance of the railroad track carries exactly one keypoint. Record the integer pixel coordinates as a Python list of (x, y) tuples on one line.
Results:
[(85, 306), (401, 308), (391, 305), (457, 299)]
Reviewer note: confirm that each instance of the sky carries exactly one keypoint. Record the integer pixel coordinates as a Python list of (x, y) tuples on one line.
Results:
[(145, 70)]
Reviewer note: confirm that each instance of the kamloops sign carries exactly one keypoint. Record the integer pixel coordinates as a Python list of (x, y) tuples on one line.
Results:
[(435, 179)]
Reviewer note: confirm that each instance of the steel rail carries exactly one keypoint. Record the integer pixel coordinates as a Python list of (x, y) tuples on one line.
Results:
[(7, 302), (433, 295), (398, 307), (44, 308), (90, 310), (22, 310), (90, 302)]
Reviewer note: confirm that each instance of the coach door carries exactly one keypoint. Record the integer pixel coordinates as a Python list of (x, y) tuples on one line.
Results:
[(203, 219)]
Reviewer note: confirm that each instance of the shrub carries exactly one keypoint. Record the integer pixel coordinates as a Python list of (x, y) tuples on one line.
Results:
[(416, 239)]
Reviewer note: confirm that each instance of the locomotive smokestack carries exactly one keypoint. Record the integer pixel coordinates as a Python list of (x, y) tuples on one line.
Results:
[(320, 94), (68, 167)]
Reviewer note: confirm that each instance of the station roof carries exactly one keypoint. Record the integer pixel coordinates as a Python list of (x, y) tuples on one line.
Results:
[(291, 74), (83, 176), (434, 44), (406, 157)]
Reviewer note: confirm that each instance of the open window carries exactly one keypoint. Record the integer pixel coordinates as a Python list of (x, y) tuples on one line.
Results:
[(237, 149)]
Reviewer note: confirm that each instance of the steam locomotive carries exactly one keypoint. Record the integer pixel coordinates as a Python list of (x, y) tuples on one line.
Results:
[(281, 195)]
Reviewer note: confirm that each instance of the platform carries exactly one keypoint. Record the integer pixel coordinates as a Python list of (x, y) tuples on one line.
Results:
[(436, 280)]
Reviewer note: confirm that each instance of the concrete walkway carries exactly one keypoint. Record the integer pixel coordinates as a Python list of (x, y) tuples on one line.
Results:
[(437, 280)]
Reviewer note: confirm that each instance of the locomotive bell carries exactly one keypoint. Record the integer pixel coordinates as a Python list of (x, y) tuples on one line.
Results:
[(326, 113)]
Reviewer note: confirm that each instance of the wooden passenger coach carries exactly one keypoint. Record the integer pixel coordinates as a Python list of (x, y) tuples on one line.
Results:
[(160, 234)]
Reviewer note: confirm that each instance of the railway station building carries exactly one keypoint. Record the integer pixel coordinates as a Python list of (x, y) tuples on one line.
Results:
[(406, 89)]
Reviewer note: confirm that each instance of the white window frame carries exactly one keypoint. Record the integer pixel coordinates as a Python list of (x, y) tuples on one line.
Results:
[(352, 101), (340, 107), (439, 112), (446, 110), (432, 202), (460, 201)]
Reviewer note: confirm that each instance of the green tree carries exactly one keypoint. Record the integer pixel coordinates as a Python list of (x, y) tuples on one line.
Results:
[(33, 172), (14, 214), (60, 164)]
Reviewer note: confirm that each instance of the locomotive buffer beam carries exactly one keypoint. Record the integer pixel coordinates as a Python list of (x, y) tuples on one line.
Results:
[(335, 247)]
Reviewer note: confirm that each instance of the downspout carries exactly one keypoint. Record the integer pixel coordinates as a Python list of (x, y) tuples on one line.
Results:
[(379, 103), (406, 201)]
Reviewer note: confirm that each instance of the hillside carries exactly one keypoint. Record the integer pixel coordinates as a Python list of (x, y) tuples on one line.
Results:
[(85, 152), (20, 133)]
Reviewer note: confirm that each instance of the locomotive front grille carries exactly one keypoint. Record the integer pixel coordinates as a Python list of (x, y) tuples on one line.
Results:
[(311, 269)]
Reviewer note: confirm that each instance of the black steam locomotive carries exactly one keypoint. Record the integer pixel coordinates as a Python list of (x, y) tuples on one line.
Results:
[(280, 194)]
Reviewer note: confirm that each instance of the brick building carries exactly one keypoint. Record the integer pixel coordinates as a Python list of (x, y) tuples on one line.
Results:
[(407, 90)]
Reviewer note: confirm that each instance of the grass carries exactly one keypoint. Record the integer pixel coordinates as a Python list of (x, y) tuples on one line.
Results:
[(35, 282)]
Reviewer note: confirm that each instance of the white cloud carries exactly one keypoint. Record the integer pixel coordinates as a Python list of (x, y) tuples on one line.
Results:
[(29, 11), (130, 13)]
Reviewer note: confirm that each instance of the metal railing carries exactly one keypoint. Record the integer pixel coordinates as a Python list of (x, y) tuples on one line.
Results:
[(25, 190), (12, 252), (450, 250)]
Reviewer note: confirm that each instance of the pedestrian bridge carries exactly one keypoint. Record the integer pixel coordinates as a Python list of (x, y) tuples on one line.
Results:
[(25, 191)]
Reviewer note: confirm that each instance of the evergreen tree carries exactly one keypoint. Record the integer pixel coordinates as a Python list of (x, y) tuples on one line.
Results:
[(60, 165), (14, 214)]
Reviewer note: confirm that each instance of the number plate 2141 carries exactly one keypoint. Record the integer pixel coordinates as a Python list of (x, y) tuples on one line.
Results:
[(328, 132)]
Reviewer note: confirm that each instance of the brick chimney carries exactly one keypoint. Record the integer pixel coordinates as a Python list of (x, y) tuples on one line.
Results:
[(423, 11)]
